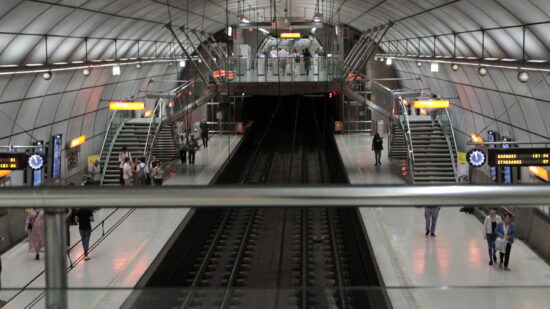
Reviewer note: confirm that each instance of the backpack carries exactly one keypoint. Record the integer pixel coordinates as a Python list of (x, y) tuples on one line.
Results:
[(297, 59), (141, 174)]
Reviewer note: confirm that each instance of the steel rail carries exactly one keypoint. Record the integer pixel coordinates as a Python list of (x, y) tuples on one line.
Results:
[(274, 196)]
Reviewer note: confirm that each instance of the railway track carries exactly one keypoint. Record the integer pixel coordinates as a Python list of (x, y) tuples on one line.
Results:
[(273, 258)]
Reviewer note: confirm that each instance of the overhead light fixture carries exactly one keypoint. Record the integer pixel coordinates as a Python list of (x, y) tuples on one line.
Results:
[(243, 19), (229, 31), (47, 75), (381, 59), (182, 63), (388, 61), (317, 17), (455, 67), (431, 104), (126, 106), (77, 141), (523, 76), (86, 72), (313, 30), (482, 71), (116, 70), (263, 31), (290, 35), (434, 67), (476, 138), (419, 63), (138, 66), (336, 30)]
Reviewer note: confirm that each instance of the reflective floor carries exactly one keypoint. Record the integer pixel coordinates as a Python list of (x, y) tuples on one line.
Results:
[(457, 256)]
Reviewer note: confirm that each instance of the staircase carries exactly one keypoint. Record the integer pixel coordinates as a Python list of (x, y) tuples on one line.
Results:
[(165, 147), (433, 162), (398, 149), (133, 135)]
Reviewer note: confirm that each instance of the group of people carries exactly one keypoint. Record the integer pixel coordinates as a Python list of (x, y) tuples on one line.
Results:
[(35, 229), (135, 172), (189, 144), (499, 233), (282, 56)]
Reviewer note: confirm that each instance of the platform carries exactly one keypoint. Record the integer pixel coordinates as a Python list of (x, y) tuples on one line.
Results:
[(132, 241), (420, 271)]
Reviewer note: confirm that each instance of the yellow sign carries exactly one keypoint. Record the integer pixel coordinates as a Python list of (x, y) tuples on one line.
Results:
[(461, 157), (540, 172), (290, 35), (431, 104), (92, 158), (77, 141), (126, 106)]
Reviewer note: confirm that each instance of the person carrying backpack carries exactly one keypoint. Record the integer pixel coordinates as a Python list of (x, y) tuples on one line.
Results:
[(139, 177)]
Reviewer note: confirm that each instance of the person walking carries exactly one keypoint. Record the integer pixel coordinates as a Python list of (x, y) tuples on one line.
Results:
[(489, 228), (192, 148), (127, 172), (204, 132), (307, 60), (295, 63), (506, 231), (34, 227), (430, 215), (377, 147), (283, 57), (121, 157), (183, 147), (84, 218)]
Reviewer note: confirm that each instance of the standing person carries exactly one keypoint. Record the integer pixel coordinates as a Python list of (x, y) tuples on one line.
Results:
[(204, 132), (84, 218), (69, 216), (322, 58), (430, 215), (307, 60), (506, 230), (273, 59), (377, 147), (95, 172), (141, 172), (490, 226), (127, 172), (121, 156), (283, 57), (192, 147), (296, 63), (34, 227), (156, 172)]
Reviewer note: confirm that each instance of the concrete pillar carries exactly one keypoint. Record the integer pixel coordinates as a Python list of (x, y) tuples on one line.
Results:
[(56, 261)]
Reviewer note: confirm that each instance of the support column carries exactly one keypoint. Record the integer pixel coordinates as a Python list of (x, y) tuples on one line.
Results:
[(56, 261)]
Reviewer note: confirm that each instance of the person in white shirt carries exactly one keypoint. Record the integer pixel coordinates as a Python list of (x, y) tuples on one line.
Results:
[(121, 157), (127, 172), (95, 172), (489, 232), (283, 56), (272, 59)]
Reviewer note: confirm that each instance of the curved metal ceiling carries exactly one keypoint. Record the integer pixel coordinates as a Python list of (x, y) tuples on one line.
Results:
[(23, 24)]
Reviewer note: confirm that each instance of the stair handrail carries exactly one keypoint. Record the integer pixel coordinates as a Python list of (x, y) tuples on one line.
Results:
[(107, 133), (150, 153), (448, 137), (153, 120), (106, 163), (405, 125)]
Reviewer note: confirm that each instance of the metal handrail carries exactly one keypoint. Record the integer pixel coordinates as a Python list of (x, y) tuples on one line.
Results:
[(150, 153), (450, 143), (275, 196), (407, 130), (106, 163), (107, 133), (153, 120)]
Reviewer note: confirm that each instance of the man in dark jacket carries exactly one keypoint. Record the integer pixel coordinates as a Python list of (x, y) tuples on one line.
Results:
[(204, 132)]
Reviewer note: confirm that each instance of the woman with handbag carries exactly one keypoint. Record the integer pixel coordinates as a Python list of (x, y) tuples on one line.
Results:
[(506, 232), (34, 227), (489, 227)]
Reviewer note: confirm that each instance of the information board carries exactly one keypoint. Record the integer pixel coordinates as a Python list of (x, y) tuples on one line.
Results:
[(13, 161), (519, 156)]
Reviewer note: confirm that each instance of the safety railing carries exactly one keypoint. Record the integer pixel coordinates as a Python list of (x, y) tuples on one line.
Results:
[(403, 117), (154, 124), (447, 126), (294, 68), (358, 126)]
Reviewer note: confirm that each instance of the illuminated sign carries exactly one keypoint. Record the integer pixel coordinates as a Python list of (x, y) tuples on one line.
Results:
[(431, 104), (4, 173), (77, 141), (290, 35), (476, 139), (126, 106), (519, 156), (13, 161), (540, 172), (148, 114)]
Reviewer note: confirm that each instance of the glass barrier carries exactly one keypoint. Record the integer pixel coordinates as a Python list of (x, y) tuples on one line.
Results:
[(491, 297), (290, 69)]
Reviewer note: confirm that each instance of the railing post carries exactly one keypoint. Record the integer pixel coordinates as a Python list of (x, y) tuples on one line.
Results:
[(56, 261)]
